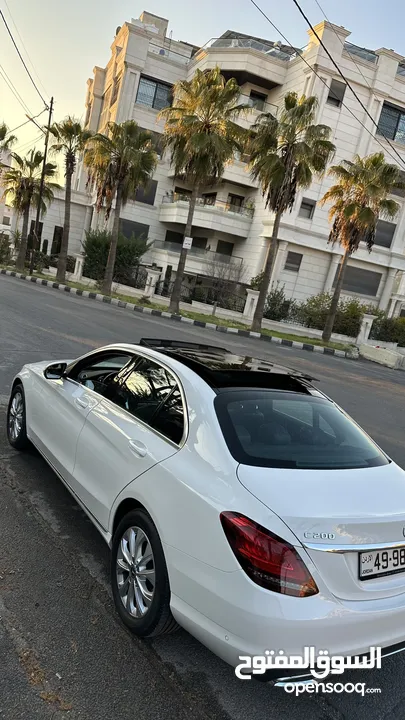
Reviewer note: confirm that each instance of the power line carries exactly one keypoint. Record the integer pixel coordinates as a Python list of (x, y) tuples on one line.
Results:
[(14, 90), (296, 3), (34, 117), (22, 59), (25, 49), (326, 84)]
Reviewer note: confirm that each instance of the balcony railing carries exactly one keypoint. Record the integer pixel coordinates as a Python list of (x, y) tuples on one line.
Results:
[(169, 54), (360, 52), (269, 49), (206, 256), (221, 205)]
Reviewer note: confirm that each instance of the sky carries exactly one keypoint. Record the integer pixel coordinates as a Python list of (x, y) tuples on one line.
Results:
[(62, 41)]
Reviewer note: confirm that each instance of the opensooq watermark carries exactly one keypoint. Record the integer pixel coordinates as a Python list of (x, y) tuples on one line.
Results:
[(320, 664)]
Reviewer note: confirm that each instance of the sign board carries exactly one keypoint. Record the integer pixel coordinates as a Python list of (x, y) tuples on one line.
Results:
[(187, 243)]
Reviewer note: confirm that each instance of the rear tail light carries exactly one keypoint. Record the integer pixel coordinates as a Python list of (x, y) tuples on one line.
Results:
[(267, 559)]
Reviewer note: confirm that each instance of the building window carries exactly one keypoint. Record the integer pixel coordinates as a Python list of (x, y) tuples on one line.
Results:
[(235, 202), (336, 93), (6, 220), (31, 233), (209, 198), (360, 281), (115, 90), (392, 123), (224, 247), (307, 209), (257, 100), (147, 194), (56, 240), (293, 261), (130, 229), (154, 94), (173, 236), (384, 233)]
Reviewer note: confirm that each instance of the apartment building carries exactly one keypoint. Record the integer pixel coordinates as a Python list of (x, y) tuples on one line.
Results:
[(231, 227), (6, 212)]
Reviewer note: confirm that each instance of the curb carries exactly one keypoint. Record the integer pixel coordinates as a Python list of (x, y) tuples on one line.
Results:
[(178, 318)]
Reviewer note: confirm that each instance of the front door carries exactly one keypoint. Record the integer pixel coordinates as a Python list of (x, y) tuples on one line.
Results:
[(138, 425)]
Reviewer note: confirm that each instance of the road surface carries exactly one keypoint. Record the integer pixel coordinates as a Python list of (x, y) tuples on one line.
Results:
[(64, 652)]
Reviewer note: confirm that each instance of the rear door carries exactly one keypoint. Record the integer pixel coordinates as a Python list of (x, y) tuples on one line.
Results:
[(140, 424), (62, 405)]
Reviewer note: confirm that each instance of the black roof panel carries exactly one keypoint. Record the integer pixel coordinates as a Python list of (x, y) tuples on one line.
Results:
[(222, 368)]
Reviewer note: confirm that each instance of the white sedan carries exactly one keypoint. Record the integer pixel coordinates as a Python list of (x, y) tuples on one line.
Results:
[(238, 501)]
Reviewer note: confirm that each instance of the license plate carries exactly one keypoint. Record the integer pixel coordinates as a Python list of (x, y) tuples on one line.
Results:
[(378, 563)]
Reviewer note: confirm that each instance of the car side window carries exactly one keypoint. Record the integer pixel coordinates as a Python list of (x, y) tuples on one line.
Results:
[(150, 393), (100, 372)]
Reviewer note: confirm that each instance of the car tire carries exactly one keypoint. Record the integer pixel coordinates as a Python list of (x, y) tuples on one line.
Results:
[(139, 578), (16, 419)]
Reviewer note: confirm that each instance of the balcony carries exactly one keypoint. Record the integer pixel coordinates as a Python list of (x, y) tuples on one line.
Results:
[(212, 215), (247, 59), (199, 261)]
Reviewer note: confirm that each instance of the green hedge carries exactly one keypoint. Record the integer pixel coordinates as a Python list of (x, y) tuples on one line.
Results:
[(312, 313), (96, 248), (389, 329)]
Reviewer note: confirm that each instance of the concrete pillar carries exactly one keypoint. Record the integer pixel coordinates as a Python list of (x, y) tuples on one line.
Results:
[(79, 265), (365, 329), (151, 280), (387, 292), (279, 263), (335, 259), (252, 297), (87, 222)]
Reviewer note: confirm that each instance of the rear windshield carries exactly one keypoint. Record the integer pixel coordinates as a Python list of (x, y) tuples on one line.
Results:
[(286, 430)]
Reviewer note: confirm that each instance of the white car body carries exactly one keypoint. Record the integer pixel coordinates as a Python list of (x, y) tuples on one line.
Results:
[(106, 457)]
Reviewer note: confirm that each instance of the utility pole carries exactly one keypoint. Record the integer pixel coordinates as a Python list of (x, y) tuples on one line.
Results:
[(35, 240)]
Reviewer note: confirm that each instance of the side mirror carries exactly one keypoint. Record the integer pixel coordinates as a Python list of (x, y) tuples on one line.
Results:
[(55, 371)]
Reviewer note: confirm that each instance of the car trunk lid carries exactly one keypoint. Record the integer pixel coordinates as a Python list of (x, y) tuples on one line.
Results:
[(335, 514)]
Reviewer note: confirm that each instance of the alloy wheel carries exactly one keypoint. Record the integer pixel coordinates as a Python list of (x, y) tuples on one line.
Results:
[(16, 416), (135, 571)]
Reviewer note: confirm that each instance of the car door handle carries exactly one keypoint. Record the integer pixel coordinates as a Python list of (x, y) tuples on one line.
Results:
[(138, 448), (81, 403)]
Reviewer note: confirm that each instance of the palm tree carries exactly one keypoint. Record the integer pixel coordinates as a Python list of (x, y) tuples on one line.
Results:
[(70, 139), (202, 136), (21, 189), (6, 140), (359, 198), (284, 155), (119, 163)]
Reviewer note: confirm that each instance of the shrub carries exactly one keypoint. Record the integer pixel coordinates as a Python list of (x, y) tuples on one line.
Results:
[(52, 261), (277, 306), (389, 329), (314, 311), (256, 281), (96, 248), (5, 249)]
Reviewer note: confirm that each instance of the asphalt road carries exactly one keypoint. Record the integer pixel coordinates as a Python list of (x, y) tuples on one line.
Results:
[(63, 653)]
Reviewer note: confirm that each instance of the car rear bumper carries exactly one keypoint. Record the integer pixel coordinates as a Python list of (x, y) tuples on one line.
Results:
[(233, 616)]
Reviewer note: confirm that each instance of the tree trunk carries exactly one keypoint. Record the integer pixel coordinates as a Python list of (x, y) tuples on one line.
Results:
[(20, 262), (330, 320), (176, 293), (62, 261), (109, 270), (268, 268)]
